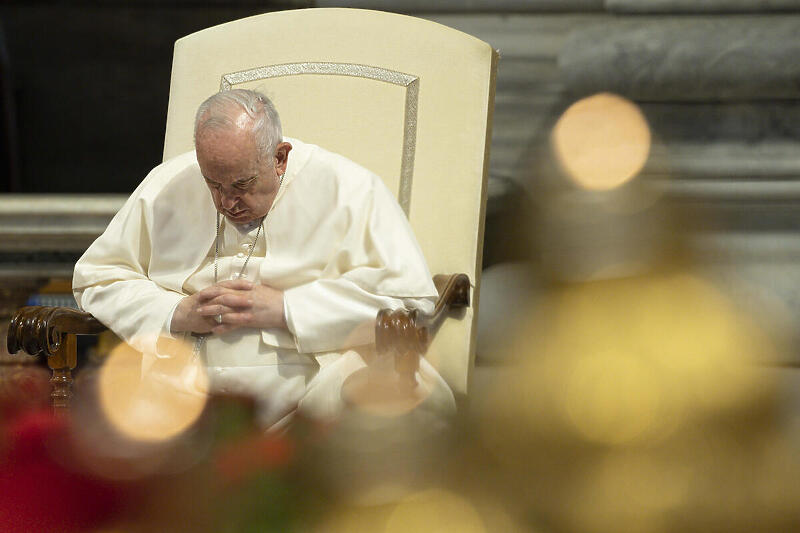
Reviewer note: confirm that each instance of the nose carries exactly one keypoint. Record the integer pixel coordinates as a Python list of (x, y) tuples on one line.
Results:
[(228, 200)]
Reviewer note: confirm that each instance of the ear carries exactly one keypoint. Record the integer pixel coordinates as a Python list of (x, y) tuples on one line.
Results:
[(282, 157)]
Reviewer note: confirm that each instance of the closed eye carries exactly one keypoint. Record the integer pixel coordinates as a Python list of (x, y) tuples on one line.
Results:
[(212, 184), (244, 184)]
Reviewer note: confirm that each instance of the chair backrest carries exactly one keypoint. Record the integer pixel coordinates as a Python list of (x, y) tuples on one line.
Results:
[(407, 98)]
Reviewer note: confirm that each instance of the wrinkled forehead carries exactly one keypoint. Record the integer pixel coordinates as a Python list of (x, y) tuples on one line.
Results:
[(226, 142), (224, 157)]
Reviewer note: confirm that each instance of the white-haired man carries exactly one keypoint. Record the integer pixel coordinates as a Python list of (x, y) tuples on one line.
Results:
[(283, 266)]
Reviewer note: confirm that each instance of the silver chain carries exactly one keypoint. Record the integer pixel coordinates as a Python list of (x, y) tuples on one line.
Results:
[(201, 339), (247, 260)]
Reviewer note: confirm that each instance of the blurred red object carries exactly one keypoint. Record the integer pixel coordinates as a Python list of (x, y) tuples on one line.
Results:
[(237, 461), (39, 492)]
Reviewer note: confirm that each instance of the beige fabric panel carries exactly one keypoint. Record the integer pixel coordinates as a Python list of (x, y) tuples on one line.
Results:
[(325, 99), (375, 108)]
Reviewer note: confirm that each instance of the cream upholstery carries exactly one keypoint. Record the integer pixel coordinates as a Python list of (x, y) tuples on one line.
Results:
[(407, 98)]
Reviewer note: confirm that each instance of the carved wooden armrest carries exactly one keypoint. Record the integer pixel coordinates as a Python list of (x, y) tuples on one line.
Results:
[(39, 330), (407, 333), (51, 331)]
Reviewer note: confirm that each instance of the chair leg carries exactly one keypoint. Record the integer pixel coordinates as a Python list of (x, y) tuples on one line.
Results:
[(62, 362)]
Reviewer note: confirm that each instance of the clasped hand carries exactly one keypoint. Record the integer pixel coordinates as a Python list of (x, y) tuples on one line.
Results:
[(240, 303)]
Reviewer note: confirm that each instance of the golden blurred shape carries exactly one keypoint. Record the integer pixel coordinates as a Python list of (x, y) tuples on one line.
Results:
[(632, 488), (353, 519), (602, 141), (612, 398), (434, 511), (158, 405), (633, 361)]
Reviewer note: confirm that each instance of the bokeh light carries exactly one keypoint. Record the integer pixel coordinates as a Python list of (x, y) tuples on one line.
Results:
[(612, 398), (628, 360), (636, 489), (640, 401), (158, 405), (602, 141)]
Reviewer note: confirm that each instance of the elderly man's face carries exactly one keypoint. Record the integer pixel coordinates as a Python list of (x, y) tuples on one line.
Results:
[(242, 183)]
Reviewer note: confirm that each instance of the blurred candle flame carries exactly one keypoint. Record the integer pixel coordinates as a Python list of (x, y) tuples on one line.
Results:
[(602, 141)]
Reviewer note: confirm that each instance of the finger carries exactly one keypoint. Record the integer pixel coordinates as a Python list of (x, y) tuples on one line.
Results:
[(215, 291), (238, 319), (233, 299), (209, 293), (223, 287), (238, 284), (204, 326), (202, 330), (213, 310)]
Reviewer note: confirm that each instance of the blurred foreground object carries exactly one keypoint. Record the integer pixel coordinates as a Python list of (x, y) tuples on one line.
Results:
[(160, 404), (38, 491), (636, 403), (637, 406)]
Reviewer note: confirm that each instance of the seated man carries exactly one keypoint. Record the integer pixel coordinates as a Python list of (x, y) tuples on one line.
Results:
[(279, 252)]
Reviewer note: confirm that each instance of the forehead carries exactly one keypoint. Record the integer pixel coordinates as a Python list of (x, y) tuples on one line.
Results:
[(226, 143), (225, 157)]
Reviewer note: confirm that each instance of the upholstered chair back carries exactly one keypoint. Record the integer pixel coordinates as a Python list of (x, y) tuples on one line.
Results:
[(407, 98)]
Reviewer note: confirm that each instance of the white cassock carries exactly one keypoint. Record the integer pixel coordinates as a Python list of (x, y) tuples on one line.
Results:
[(335, 241)]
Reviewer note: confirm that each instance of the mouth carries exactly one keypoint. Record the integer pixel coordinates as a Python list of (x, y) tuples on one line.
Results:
[(238, 217)]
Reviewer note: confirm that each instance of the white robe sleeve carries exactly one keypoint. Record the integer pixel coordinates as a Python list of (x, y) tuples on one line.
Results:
[(378, 265), (111, 282)]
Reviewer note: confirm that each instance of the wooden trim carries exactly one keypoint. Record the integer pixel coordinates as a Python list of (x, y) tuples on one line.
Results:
[(52, 332), (39, 330)]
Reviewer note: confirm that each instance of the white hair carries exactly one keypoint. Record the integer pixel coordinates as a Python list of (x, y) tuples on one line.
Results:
[(223, 109)]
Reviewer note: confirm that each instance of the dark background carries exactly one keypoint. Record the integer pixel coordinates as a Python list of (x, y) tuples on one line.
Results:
[(85, 87)]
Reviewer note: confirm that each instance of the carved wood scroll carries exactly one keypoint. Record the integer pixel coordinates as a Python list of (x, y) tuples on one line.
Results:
[(51, 331)]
